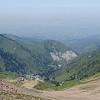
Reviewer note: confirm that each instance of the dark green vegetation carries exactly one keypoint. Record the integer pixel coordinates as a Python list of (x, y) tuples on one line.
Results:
[(27, 56), (80, 68)]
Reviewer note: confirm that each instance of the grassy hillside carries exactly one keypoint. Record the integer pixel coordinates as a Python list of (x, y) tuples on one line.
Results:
[(12, 47), (82, 67), (67, 84), (27, 42), (52, 45), (50, 86)]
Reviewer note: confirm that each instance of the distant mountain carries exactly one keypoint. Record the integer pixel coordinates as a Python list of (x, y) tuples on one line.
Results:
[(26, 56), (27, 42), (59, 51), (78, 42), (84, 45), (82, 67)]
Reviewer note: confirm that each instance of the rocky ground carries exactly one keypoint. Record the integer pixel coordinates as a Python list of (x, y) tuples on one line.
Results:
[(9, 91)]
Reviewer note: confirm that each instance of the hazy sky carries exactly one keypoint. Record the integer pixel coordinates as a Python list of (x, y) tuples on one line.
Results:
[(36, 17)]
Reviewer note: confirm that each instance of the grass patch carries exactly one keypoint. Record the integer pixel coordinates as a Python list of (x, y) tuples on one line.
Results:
[(4, 75), (68, 84), (46, 85), (91, 78)]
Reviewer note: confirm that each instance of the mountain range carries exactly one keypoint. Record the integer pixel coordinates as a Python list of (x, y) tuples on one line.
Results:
[(50, 58), (25, 55)]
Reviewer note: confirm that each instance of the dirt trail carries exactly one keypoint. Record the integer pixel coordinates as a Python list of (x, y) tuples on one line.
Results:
[(87, 91), (10, 87), (30, 84)]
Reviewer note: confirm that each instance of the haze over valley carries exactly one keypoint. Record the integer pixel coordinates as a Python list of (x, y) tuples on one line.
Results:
[(49, 50)]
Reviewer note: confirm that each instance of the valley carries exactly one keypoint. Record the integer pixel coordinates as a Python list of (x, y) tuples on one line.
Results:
[(47, 70), (23, 56), (49, 49)]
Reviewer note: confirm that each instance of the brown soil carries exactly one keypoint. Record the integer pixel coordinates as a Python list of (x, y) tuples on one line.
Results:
[(29, 84), (87, 91)]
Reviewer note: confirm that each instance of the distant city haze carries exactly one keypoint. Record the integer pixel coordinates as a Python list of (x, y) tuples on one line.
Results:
[(49, 17)]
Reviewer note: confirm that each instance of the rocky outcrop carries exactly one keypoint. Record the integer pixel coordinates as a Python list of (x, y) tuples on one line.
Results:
[(68, 55)]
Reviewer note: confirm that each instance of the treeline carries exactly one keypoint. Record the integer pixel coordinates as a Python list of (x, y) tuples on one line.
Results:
[(11, 62)]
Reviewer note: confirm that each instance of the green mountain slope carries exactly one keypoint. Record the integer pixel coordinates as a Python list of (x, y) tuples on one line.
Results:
[(52, 46), (25, 57), (27, 42), (82, 67)]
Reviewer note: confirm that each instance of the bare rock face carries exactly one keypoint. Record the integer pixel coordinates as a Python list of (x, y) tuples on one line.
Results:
[(68, 55)]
